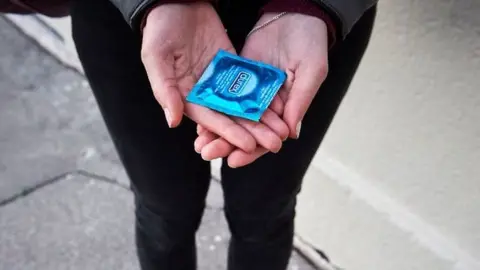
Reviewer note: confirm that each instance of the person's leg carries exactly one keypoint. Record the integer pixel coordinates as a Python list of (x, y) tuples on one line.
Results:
[(260, 198), (169, 179)]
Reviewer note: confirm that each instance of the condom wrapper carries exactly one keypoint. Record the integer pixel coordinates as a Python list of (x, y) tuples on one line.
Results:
[(237, 86)]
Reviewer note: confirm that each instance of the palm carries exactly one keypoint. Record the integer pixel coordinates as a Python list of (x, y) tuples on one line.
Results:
[(292, 43), (259, 47), (206, 37), (179, 40), (187, 42)]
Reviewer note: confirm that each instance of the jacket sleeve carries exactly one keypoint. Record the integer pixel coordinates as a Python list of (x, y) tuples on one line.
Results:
[(345, 12), (133, 10)]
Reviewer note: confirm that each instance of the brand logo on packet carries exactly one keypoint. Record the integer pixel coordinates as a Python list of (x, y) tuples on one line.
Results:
[(239, 83)]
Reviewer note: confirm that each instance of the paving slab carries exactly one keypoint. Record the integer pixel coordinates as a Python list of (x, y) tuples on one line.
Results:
[(76, 223), (82, 223), (49, 121)]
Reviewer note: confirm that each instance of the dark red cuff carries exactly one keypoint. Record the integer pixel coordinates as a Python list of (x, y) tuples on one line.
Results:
[(306, 7), (11, 8)]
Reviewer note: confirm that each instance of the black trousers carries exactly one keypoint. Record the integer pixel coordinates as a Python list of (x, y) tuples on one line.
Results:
[(170, 181)]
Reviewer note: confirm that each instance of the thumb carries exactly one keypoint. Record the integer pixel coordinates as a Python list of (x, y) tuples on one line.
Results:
[(161, 74), (306, 83)]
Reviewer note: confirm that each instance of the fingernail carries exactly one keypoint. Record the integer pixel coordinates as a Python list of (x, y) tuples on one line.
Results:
[(168, 116), (196, 148), (299, 127), (205, 156)]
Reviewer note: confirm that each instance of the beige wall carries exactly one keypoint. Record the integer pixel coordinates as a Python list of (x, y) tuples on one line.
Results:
[(396, 184)]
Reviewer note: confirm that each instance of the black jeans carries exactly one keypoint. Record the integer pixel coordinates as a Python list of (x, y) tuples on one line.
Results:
[(170, 181)]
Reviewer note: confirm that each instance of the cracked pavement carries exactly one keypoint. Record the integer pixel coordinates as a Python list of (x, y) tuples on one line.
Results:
[(63, 191)]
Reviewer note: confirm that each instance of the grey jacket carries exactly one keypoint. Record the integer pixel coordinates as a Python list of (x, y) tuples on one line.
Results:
[(344, 12), (347, 12)]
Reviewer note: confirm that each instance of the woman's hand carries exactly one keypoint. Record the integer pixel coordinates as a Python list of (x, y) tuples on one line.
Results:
[(296, 43), (179, 41)]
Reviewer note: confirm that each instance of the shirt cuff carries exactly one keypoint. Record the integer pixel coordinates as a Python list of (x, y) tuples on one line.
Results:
[(306, 7)]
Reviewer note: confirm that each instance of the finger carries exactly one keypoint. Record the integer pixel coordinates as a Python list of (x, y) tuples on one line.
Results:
[(221, 125), (277, 105), (160, 69), (238, 158), (308, 79), (202, 140), (262, 134), (218, 148), (200, 129), (269, 118), (276, 124)]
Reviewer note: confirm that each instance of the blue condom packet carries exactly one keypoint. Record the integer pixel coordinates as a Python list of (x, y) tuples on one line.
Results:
[(237, 86)]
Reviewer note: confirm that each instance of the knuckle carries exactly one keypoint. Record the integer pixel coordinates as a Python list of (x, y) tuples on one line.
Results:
[(251, 126), (225, 147), (165, 90), (255, 126), (158, 96), (323, 71), (169, 84), (240, 138), (146, 53), (230, 130), (284, 132), (275, 144), (267, 115)]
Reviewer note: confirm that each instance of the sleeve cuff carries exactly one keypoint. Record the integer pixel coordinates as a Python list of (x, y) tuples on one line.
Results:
[(306, 7)]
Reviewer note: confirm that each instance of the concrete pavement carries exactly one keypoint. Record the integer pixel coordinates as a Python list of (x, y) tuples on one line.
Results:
[(64, 197)]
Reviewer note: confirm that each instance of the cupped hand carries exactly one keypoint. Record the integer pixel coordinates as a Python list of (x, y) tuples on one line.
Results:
[(179, 41), (296, 43)]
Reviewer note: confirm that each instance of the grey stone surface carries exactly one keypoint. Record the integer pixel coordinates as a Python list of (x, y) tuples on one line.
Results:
[(49, 122), (75, 223), (215, 195), (81, 223)]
